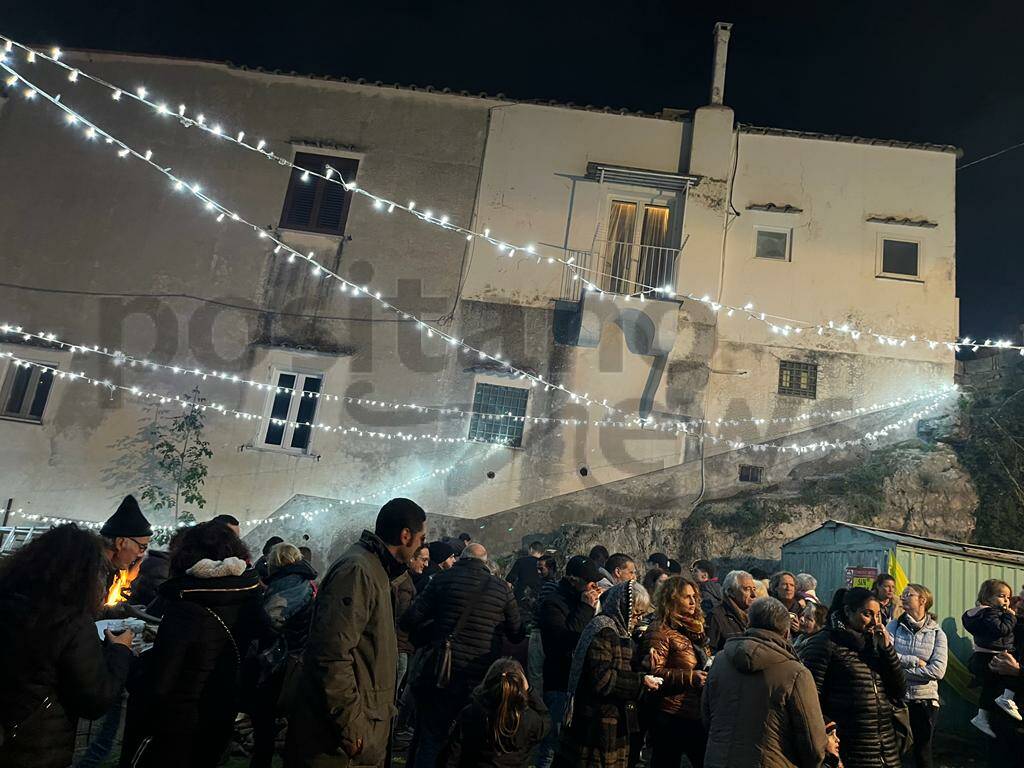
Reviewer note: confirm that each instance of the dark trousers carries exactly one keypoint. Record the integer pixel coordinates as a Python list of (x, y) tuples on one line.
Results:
[(263, 713), (922, 725), (671, 737)]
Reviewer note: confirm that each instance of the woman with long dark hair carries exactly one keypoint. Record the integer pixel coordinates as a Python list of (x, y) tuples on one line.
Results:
[(56, 669), (859, 679), (502, 724), (183, 708), (676, 649)]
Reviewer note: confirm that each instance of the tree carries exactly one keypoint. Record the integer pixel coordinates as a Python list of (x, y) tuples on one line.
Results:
[(182, 454)]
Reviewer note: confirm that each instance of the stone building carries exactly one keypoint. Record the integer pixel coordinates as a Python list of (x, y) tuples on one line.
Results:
[(101, 250)]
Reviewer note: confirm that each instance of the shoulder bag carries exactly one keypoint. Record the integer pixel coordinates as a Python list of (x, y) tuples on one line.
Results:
[(443, 661)]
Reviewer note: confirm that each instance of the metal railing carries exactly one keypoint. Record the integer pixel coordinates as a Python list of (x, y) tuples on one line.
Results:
[(620, 267)]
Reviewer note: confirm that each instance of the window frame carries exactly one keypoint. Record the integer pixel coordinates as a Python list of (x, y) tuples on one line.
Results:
[(787, 231), (475, 419), (10, 371), (880, 258), (758, 471), (296, 176), (811, 393), (674, 202), (294, 404)]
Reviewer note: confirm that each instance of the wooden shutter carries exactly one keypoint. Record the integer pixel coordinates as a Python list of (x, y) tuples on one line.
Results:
[(317, 205)]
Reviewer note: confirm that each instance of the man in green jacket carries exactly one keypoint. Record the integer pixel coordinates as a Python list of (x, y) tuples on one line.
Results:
[(760, 705), (344, 702)]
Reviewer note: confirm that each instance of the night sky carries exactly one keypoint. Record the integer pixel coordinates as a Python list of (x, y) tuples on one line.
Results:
[(896, 69)]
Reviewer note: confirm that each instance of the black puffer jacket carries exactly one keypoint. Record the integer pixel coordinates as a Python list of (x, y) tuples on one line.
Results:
[(857, 679), (154, 570), (561, 616), (494, 617), (185, 701), (65, 662)]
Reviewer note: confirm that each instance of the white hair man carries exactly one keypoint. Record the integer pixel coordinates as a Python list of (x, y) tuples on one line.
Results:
[(758, 679), (729, 618)]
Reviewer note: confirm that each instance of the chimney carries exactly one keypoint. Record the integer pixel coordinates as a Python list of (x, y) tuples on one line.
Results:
[(722, 31)]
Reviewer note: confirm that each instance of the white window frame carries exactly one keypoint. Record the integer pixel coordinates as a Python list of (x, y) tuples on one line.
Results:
[(879, 253), (51, 358), (787, 231), (499, 381), (301, 375)]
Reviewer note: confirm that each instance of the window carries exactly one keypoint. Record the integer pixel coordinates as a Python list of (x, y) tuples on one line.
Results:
[(899, 257), (498, 414), (316, 205), (288, 407), (772, 244), (800, 379), (26, 389), (636, 253), (751, 474)]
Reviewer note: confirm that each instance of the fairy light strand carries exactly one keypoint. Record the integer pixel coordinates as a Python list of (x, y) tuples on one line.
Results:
[(784, 327), (238, 414), (224, 213), (669, 425)]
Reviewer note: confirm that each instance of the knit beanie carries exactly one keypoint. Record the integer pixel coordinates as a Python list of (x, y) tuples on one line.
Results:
[(127, 521)]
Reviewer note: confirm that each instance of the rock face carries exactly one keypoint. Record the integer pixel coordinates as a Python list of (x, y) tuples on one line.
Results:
[(913, 488)]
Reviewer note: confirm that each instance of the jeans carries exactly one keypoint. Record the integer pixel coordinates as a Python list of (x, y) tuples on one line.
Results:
[(922, 725), (556, 702), (102, 742), (535, 662)]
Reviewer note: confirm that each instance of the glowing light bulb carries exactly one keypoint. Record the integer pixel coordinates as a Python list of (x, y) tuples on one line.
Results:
[(261, 144), (116, 95), (73, 75), (141, 91)]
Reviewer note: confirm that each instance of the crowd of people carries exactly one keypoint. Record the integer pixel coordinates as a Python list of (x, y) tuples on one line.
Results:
[(428, 649)]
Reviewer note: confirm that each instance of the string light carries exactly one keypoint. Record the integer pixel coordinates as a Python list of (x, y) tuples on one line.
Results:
[(225, 411), (308, 515), (797, 327), (213, 205)]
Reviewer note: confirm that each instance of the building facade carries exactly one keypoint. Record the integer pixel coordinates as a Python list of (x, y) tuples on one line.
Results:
[(598, 209)]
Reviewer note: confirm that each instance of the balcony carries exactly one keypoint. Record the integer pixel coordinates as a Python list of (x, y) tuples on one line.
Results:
[(619, 267)]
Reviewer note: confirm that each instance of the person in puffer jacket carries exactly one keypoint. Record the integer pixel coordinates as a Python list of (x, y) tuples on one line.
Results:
[(858, 677), (492, 617), (182, 708), (991, 623), (922, 650), (287, 608)]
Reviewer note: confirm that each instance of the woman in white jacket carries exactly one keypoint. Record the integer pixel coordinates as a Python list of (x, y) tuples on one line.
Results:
[(922, 650)]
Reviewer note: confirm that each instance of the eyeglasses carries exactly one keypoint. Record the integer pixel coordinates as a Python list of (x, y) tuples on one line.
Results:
[(142, 547)]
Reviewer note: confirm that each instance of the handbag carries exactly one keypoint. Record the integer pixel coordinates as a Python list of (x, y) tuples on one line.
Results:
[(443, 661), (901, 726)]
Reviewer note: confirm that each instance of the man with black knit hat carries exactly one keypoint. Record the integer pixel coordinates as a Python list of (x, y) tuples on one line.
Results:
[(342, 709), (126, 535)]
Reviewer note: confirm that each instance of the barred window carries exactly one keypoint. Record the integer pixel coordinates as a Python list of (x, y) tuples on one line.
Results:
[(800, 379), (498, 414), (751, 474)]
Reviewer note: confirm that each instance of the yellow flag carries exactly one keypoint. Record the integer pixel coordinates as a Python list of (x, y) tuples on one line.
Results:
[(897, 572)]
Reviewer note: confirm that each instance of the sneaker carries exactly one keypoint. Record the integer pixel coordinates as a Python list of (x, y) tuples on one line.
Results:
[(980, 721), (1009, 706)]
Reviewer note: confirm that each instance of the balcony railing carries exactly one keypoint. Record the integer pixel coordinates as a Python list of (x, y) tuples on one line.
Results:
[(618, 267)]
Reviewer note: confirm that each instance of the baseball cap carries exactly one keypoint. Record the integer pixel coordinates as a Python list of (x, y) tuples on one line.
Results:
[(583, 568)]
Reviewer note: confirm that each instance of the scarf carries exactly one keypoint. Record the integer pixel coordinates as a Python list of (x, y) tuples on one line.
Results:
[(734, 607), (911, 623), (616, 612), (693, 628)]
